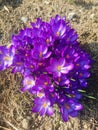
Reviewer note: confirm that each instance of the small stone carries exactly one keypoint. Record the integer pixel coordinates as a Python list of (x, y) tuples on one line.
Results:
[(72, 15), (28, 117), (24, 19), (40, 118), (92, 16), (46, 2), (6, 8), (86, 126), (25, 124)]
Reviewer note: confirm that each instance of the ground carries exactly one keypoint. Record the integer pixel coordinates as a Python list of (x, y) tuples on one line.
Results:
[(15, 107)]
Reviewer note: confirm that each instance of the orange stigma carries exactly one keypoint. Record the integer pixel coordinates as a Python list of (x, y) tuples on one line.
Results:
[(40, 54), (47, 40), (45, 83), (67, 106), (81, 74), (58, 33), (67, 56)]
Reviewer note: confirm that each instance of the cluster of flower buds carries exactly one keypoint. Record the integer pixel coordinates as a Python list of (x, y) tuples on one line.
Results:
[(52, 63)]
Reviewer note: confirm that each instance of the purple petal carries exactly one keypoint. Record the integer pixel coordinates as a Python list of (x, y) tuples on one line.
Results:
[(65, 115), (43, 111), (50, 111), (36, 108), (77, 106), (47, 54), (74, 114), (61, 61), (23, 89), (66, 69)]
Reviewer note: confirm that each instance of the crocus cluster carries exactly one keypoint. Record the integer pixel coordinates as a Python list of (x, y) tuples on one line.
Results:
[(52, 63)]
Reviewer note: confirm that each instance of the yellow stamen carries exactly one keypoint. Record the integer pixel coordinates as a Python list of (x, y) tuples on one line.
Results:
[(7, 58), (8, 46), (29, 82), (59, 68), (40, 94), (45, 105), (44, 72)]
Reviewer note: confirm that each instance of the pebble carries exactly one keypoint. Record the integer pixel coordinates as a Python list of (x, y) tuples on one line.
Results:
[(72, 15), (46, 2), (92, 16), (24, 19), (25, 124)]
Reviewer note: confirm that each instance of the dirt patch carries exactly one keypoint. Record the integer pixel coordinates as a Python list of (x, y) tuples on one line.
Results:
[(15, 108)]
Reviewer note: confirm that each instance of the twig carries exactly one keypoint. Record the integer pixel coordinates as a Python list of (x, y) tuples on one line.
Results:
[(5, 7), (11, 125), (4, 128)]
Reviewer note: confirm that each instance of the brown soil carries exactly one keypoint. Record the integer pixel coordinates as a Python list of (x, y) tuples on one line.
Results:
[(15, 108)]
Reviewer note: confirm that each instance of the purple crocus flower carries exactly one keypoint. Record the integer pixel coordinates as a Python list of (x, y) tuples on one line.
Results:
[(46, 34), (59, 27), (28, 83), (71, 36), (38, 23), (40, 50), (18, 64), (70, 53), (43, 82), (23, 38), (58, 67), (43, 106), (53, 65), (70, 108), (6, 57), (63, 80)]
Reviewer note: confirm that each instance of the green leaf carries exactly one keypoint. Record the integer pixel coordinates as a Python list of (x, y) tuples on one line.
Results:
[(82, 91), (88, 96)]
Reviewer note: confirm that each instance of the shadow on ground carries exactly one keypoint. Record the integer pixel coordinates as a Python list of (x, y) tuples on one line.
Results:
[(12, 3), (90, 111), (85, 4)]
